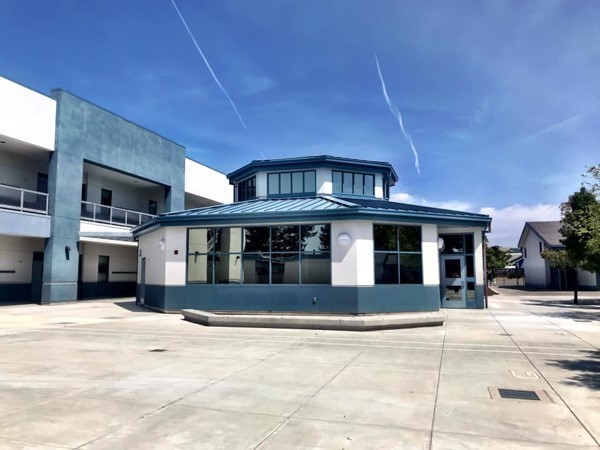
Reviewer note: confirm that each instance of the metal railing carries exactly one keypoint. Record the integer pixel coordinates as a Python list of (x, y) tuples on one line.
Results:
[(23, 200), (112, 215)]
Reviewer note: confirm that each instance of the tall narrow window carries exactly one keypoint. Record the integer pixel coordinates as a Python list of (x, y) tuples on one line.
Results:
[(103, 266), (246, 190), (152, 207), (42, 182)]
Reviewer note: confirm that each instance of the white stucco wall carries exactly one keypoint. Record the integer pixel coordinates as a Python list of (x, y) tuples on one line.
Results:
[(537, 269), (149, 248), (431, 255), (208, 183), (21, 169), (164, 267), (16, 253), (352, 265), (324, 183), (121, 259), (124, 195), (26, 115)]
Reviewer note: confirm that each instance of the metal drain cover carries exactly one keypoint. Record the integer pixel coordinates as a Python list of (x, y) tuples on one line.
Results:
[(518, 394)]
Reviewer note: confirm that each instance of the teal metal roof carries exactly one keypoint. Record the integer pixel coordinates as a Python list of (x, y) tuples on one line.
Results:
[(320, 208), (284, 205), (312, 162)]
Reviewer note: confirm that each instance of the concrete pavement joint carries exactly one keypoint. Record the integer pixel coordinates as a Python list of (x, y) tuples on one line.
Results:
[(437, 386), (563, 329), (548, 382), (166, 405), (287, 418)]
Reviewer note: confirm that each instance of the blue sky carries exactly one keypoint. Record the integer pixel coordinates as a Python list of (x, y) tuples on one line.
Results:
[(502, 99)]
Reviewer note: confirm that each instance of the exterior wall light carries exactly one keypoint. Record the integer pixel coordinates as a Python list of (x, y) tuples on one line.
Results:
[(161, 244), (343, 239), (441, 243)]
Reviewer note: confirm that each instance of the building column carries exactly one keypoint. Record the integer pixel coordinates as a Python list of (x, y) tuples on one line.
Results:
[(61, 254)]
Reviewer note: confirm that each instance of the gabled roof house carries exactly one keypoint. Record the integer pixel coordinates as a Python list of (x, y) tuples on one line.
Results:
[(535, 238)]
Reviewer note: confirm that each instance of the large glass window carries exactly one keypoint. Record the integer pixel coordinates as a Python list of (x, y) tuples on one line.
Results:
[(398, 257), (285, 183), (278, 254), (353, 183), (246, 190)]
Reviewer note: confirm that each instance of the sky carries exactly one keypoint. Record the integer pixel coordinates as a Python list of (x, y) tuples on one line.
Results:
[(501, 99)]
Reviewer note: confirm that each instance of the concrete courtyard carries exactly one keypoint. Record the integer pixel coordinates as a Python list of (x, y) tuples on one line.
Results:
[(109, 375)]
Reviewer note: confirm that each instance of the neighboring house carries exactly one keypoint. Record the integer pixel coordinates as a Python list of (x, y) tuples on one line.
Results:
[(313, 234), (515, 260), (537, 236), (74, 180)]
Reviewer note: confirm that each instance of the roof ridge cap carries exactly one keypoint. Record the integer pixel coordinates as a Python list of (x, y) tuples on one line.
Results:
[(338, 201)]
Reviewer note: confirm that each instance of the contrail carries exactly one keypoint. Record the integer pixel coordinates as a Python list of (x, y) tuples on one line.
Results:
[(556, 126), (207, 64), (396, 113)]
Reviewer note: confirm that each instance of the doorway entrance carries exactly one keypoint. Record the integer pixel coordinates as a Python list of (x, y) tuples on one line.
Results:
[(37, 276), (453, 281)]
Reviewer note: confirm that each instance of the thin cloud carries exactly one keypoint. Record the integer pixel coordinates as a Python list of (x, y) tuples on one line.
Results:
[(208, 65), (396, 113)]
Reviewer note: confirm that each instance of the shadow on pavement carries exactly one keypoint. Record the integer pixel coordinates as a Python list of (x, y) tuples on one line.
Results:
[(588, 369), (131, 306), (587, 310)]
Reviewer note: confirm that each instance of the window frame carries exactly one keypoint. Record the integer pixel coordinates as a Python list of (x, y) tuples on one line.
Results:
[(291, 175), (246, 189), (352, 182), (270, 254), (398, 254)]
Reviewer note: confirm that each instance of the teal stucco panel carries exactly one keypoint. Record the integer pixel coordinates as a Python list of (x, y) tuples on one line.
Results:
[(86, 132)]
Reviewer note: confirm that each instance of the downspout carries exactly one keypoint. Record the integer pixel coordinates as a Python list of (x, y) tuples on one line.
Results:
[(485, 281)]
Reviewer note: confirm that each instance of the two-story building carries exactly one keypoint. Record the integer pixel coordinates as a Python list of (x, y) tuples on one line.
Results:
[(312, 234), (74, 180), (539, 273)]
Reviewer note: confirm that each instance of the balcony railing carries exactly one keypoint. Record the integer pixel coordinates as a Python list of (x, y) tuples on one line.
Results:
[(23, 200), (114, 216)]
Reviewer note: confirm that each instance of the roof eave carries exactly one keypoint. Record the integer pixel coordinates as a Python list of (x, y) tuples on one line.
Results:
[(308, 216)]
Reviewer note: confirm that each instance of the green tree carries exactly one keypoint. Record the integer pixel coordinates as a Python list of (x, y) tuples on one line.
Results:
[(496, 258), (580, 230)]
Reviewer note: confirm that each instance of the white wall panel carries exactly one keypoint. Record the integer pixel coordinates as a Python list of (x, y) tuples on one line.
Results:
[(16, 253), (205, 182), (431, 254), (352, 265), (26, 115)]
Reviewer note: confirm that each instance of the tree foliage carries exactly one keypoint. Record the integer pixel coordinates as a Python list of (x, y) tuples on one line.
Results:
[(580, 229), (496, 258)]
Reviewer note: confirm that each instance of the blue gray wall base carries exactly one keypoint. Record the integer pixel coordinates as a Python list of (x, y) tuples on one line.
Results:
[(305, 299), (107, 290), (15, 292)]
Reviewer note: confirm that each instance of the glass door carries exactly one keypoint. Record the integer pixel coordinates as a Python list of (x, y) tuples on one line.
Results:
[(453, 282)]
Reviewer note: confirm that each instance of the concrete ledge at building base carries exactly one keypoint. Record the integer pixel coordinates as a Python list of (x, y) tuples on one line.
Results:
[(317, 322)]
